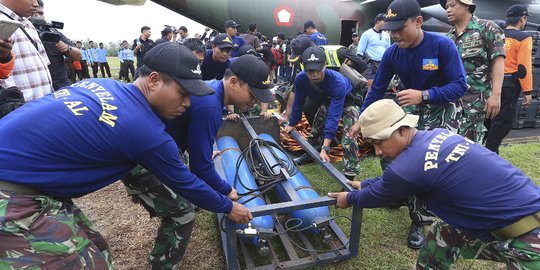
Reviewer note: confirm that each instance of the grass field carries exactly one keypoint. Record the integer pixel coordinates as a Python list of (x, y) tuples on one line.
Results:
[(130, 232)]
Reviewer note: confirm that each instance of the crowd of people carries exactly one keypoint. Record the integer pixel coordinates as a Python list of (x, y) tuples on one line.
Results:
[(432, 104)]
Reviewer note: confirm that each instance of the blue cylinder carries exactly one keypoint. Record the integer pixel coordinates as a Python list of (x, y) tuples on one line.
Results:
[(229, 157), (301, 185)]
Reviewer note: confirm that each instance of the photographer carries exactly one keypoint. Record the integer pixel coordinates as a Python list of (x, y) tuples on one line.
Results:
[(166, 35), (55, 50), (30, 71)]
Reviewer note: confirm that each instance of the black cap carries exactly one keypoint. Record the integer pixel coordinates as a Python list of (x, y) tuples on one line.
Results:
[(179, 63), (231, 23), (247, 49), (223, 41), (254, 72), (398, 12), (379, 17), (298, 46), (517, 10), (309, 24), (314, 58)]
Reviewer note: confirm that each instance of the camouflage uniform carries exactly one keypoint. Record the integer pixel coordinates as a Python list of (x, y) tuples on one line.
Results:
[(176, 213), (46, 233), (480, 43), (445, 244), (351, 112)]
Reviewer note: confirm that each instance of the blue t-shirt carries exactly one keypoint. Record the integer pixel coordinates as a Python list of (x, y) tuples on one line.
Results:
[(463, 183), (89, 135), (238, 43), (211, 70), (335, 88), (196, 131), (434, 65), (318, 38)]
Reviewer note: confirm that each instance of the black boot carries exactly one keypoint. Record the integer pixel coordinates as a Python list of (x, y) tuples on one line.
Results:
[(415, 240), (303, 159)]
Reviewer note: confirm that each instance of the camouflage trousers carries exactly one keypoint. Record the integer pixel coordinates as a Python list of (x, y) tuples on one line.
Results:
[(176, 213), (433, 116), (41, 232), (350, 146), (472, 122), (445, 244)]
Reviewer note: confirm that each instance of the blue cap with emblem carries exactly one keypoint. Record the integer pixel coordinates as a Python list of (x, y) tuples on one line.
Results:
[(179, 63), (254, 72), (398, 12)]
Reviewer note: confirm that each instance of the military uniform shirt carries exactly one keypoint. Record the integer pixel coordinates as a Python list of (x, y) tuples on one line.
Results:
[(433, 65), (196, 131), (318, 38), (462, 182), (334, 89), (481, 42), (211, 70), (94, 133)]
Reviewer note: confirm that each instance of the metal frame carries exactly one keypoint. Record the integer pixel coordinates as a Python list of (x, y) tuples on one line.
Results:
[(243, 131)]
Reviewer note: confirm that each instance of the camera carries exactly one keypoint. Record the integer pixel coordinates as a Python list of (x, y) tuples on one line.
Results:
[(174, 29), (47, 31)]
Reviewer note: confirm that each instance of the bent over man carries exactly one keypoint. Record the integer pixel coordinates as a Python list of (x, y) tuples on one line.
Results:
[(94, 133), (489, 209)]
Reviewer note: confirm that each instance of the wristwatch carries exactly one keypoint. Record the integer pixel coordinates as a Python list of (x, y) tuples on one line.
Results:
[(326, 149), (425, 96)]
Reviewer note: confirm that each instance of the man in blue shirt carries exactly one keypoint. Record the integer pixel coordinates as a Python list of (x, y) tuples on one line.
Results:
[(216, 60), (373, 44), (84, 61), (195, 131), (238, 41), (331, 91), (93, 57), (317, 37), (432, 72), (127, 58), (102, 58), (94, 132), (488, 208)]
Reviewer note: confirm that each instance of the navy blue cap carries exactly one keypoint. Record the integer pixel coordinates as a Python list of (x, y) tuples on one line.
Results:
[(223, 41), (517, 10), (314, 58), (398, 12), (255, 72), (230, 23), (298, 46), (179, 63), (309, 24)]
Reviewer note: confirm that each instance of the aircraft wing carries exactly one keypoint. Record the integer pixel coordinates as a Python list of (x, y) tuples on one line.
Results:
[(125, 2)]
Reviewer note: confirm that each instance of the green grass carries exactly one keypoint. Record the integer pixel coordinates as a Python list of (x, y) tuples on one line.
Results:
[(384, 232)]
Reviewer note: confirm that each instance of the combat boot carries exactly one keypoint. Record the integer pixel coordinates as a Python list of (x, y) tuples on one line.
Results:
[(303, 159)]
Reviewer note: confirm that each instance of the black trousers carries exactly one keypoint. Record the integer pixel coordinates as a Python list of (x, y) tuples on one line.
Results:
[(94, 69), (105, 66), (501, 125), (84, 70), (124, 68)]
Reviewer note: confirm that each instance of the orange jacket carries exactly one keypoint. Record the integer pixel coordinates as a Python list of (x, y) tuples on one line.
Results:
[(518, 46), (5, 69)]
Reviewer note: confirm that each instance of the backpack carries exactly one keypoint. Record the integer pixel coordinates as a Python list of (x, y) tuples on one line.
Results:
[(268, 56), (278, 56)]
